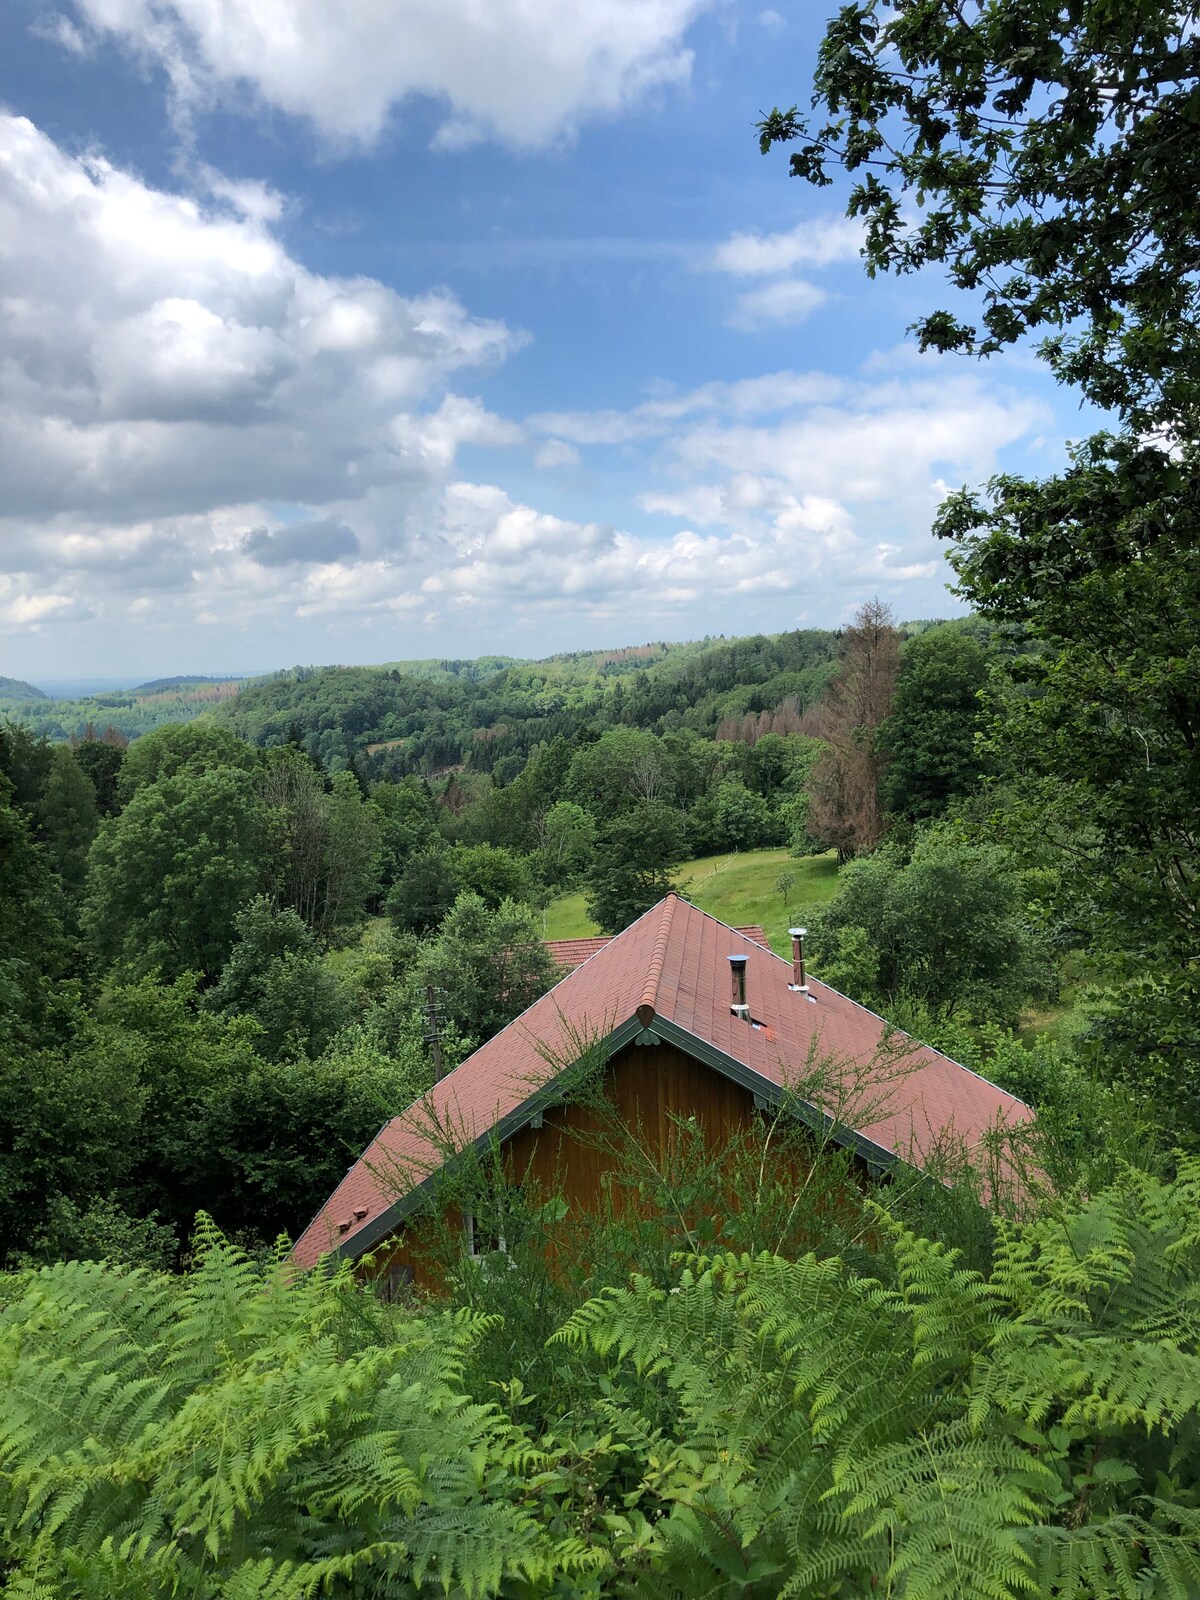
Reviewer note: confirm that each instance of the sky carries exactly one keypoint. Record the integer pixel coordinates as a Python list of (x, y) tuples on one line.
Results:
[(404, 328)]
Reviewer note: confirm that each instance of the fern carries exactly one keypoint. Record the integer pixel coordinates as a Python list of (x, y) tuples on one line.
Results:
[(222, 1434), (943, 1436), (760, 1428)]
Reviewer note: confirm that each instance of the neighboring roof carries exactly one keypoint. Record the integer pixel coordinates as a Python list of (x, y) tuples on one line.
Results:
[(567, 954), (668, 973)]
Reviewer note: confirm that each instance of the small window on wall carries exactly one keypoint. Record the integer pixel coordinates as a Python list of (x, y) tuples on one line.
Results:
[(395, 1283), (484, 1237)]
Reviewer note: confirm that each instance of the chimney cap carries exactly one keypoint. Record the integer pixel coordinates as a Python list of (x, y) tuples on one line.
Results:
[(797, 933), (738, 961)]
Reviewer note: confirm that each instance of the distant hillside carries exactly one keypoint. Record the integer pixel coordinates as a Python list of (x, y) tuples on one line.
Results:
[(129, 711), (446, 671), (446, 715), (485, 714), (15, 689), (176, 685)]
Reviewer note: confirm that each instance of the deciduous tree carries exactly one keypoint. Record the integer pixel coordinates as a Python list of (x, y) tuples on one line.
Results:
[(1049, 160), (845, 810), (632, 865), (930, 737), (947, 929), (67, 818), (489, 963), (170, 873)]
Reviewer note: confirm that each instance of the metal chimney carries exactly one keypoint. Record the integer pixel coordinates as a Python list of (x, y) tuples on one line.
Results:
[(799, 983), (737, 975)]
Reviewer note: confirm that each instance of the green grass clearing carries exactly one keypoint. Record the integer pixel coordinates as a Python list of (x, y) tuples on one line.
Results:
[(739, 888)]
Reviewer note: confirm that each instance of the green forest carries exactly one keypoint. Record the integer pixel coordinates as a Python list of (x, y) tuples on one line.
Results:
[(223, 907)]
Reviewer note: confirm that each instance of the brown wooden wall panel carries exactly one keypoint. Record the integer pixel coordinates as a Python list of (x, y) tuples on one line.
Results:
[(647, 1087)]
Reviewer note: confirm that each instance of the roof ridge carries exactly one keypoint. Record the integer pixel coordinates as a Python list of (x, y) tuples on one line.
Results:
[(649, 998)]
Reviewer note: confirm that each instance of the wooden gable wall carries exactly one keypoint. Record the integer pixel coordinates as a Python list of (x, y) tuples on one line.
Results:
[(649, 1087)]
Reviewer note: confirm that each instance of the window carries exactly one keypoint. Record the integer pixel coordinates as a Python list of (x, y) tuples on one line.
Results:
[(395, 1283), (484, 1236)]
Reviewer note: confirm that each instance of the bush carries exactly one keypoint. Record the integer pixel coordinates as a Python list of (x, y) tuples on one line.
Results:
[(946, 929)]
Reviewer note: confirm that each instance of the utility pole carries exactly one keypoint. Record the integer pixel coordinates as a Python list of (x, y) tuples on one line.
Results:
[(433, 1027)]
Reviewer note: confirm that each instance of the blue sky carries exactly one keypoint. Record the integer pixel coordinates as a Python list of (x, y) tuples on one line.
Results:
[(429, 327)]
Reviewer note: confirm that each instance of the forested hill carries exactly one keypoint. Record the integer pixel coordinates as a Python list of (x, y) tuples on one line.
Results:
[(15, 689), (123, 712), (487, 714), (367, 694), (395, 722)]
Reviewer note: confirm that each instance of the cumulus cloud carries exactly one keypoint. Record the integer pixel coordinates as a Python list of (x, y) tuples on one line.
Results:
[(169, 369), (195, 427), (820, 242), (763, 542), (523, 71), (776, 305), (799, 483)]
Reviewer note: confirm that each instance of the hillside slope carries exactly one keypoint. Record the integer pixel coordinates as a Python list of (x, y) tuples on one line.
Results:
[(17, 689), (740, 889)]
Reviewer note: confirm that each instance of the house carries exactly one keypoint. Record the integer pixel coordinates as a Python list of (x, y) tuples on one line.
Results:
[(695, 1019)]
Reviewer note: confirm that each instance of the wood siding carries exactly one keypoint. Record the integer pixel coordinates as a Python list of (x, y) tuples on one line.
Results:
[(648, 1087)]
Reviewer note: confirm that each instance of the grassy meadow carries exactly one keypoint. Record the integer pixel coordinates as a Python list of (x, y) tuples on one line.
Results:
[(739, 888)]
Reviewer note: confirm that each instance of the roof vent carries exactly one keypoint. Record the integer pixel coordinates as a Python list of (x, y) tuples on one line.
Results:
[(359, 1213), (737, 975), (799, 983)]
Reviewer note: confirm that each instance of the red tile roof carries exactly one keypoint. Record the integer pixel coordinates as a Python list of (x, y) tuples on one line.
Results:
[(669, 971), (571, 953)]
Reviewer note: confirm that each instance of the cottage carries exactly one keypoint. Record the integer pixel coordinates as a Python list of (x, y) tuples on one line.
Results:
[(694, 1019)]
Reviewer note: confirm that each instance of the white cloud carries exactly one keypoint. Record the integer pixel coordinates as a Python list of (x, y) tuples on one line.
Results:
[(167, 368), (776, 305), (820, 242), (523, 71), (195, 428), (29, 611), (771, 21), (883, 445), (502, 553), (248, 196), (661, 416), (556, 453), (805, 484)]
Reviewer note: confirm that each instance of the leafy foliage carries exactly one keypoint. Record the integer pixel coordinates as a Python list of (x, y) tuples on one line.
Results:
[(632, 864), (234, 1433), (942, 1434), (947, 929), (1014, 126), (487, 965), (170, 873), (930, 736), (742, 1424), (276, 976)]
